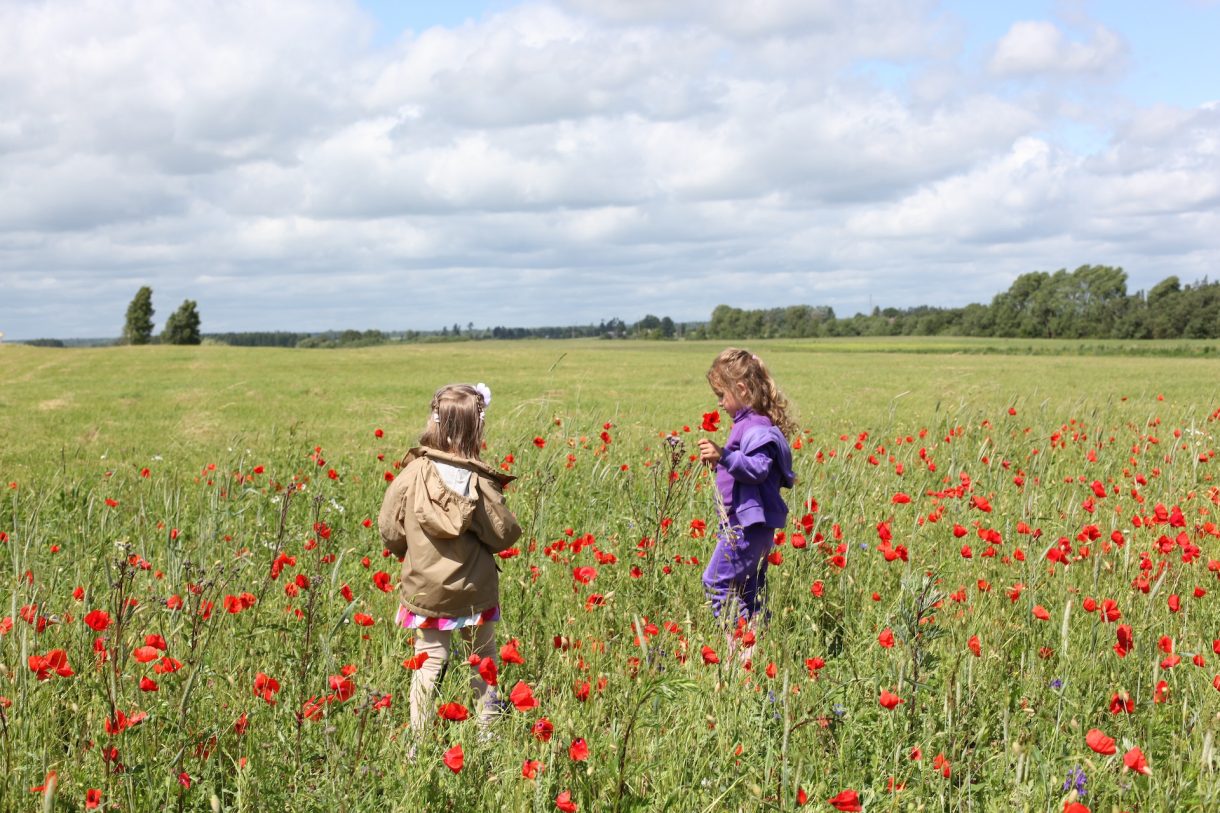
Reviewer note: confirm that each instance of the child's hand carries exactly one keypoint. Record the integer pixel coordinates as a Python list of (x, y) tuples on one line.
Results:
[(709, 452)]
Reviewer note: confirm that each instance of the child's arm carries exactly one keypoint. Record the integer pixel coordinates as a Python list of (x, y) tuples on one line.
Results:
[(389, 521), (757, 457), (492, 522), (748, 467)]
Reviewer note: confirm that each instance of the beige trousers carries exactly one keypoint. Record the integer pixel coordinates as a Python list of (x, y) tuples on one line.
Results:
[(481, 640)]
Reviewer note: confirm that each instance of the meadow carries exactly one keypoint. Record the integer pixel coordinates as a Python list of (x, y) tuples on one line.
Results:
[(997, 590)]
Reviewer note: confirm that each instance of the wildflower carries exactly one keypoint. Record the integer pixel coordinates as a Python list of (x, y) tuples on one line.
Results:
[(578, 750), (453, 712), (1099, 742), (847, 800), (455, 758), (266, 687), (542, 729), (889, 700), (1134, 760), (530, 769), (510, 654), (415, 661), (522, 697), (711, 421), (564, 802), (1076, 780)]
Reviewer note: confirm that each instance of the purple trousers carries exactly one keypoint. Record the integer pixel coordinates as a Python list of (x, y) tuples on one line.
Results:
[(737, 571)]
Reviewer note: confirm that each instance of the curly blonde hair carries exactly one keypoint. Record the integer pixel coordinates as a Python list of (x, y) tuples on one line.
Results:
[(735, 365), (455, 423)]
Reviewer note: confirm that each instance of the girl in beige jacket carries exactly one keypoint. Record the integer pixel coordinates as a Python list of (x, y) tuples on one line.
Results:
[(444, 517)]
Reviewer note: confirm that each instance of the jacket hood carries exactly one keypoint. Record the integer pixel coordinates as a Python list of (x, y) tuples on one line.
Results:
[(457, 460)]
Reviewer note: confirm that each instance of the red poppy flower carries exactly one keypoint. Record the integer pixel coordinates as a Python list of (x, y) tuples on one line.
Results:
[(711, 421), (415, 661), (54, 661), (847, 800), (1099, 742), (542, 729), (530, 769), (266, 687), (383, 581), (487, 671), (97, 620), (1075, 807), (1124, 640), (585, 574), (1134, 760), (579, 750), (93, 798), (454, 712), (886, 638), (510, 654), (522, 697), (1121, 703), (564, 802), (710, 656), (540, 442), (455, 758), (974, 646), (144, 654), (889, 700)]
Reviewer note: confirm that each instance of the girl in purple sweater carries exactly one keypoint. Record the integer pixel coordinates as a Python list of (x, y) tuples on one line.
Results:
[(751, 468)]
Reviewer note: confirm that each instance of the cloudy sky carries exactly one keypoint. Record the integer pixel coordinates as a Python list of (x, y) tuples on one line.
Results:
[(394, 164)]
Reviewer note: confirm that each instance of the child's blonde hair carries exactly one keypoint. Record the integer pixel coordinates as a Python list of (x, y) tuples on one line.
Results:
[(763, 396), (455, 424)]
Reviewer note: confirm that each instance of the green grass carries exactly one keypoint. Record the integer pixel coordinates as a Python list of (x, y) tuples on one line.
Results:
[(665, 730)]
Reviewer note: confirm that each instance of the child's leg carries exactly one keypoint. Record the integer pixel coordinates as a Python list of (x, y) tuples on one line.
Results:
[(736, 571), (722, 577), (757, 541), (482, 639), (423, 685)]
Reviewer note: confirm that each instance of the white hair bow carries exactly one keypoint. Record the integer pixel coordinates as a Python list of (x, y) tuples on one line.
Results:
[(485, 392)]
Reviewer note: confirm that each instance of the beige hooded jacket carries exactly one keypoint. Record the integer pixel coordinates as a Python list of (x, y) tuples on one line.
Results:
[(447, 542)]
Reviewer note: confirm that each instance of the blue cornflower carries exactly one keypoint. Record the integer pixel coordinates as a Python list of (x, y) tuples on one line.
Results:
[(1075, 779)]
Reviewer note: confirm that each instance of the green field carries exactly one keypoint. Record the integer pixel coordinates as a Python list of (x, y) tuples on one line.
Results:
[(1009, 450)]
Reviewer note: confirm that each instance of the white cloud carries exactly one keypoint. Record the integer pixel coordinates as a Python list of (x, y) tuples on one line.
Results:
[(1040, 47), (564, 161)]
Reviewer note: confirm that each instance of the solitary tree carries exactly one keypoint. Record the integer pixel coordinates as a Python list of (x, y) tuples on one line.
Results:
[(139, 326), (182, 327)]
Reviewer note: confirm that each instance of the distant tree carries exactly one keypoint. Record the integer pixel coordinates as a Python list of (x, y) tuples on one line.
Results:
[(139, 326), (182, 326)]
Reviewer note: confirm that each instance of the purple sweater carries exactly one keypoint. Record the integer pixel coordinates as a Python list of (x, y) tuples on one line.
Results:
[(755, 465)]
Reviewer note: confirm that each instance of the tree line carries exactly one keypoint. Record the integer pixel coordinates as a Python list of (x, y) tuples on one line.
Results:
[(1091, 302)]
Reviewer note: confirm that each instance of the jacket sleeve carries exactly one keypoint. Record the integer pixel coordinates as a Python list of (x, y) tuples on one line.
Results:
[(752, 462), (492, 522), (390, 520)]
